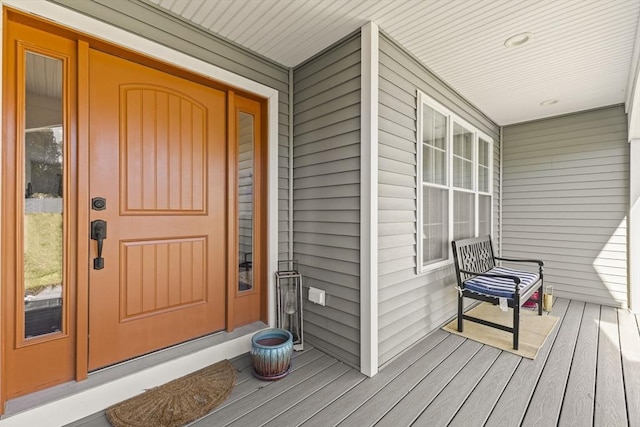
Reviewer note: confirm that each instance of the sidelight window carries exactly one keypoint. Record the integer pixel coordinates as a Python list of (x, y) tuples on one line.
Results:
[(245, 200), (43, 186)]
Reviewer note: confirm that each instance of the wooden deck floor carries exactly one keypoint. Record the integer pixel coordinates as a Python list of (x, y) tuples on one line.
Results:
[(587, 374)]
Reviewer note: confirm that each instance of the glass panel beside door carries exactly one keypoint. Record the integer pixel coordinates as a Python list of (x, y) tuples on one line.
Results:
[(245, 201), (247, 214), (43, 150)]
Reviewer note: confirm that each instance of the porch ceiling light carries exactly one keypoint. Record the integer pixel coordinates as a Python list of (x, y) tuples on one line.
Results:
[(549, 102), (518, 40)]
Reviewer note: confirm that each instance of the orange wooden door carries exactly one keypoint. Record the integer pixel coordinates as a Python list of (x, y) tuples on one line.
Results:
[(158, 158)]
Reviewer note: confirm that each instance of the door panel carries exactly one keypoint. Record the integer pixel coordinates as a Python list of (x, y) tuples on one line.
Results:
[(147, 272), (158, 157), (164, 170)]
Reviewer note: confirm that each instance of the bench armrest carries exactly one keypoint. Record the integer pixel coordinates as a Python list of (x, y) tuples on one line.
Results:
[(537, 261), (515, 279)]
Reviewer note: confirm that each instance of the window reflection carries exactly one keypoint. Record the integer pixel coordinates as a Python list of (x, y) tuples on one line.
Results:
[(43, 193), (245, 201), (462, 157), (483, 165), (434, 138)]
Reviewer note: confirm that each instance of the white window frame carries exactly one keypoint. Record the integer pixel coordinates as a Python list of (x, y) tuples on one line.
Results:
[(451, 118)]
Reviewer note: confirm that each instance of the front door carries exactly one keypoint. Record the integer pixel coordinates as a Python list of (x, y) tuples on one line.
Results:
[(158, 180), (174, 165)]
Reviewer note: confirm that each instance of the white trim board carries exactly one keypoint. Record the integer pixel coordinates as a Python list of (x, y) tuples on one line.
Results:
[(369, 200), (633, 111), (634, 226), (104, 31), (290, 177), (500, 197)]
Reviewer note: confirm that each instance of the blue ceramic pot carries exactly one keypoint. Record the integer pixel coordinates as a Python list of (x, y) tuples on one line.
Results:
[(271, 353)]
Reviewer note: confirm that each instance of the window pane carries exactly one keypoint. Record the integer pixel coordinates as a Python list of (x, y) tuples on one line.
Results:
[(462, 142), (434, 134), (435, 227), (462, 173), (434, 165), (483, 152), (462, 157), (484, 177), (484, 215), (245, 201), (463, 215), (43, 192), (434, 128)]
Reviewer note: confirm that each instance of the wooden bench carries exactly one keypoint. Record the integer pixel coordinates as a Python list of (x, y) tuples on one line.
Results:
[(481, 279)]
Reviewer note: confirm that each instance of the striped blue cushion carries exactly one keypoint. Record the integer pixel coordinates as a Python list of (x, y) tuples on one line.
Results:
[(498, 286)]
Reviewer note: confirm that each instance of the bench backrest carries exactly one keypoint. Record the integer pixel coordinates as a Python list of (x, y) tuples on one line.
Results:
[(475, 254)]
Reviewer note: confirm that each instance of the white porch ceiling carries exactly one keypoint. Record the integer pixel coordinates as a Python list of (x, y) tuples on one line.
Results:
[(580, 52)]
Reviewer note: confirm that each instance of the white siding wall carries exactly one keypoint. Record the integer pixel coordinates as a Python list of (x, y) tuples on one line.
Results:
[(566, 197), (327, 195), (411, 305)]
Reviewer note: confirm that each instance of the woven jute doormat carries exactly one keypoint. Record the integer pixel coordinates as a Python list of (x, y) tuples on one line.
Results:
[(178, 402), (534, 329)]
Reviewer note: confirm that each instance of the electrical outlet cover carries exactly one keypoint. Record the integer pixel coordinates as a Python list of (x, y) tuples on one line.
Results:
[(316, 296)]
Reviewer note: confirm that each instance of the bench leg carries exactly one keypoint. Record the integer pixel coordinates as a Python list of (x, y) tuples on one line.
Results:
[(516, 325), (540, 299), (460, 326)]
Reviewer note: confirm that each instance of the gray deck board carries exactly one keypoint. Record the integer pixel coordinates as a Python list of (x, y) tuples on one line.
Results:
[(546, 403), (610, 408), (354, 398), (586, 374), (414, 403), (319, 400), (479, 404), (247, 385), (630, 348), (444, 407), (376, 407), (230, 413), (292, 396), (577, 407), (512, 405)]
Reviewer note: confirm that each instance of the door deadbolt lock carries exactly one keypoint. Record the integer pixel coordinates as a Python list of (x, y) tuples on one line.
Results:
[(98, 203)]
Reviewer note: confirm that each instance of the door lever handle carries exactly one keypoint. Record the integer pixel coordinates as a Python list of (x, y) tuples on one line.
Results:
[(99, 233)]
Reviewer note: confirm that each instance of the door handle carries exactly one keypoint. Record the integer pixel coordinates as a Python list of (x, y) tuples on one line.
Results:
[(99, 233)]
